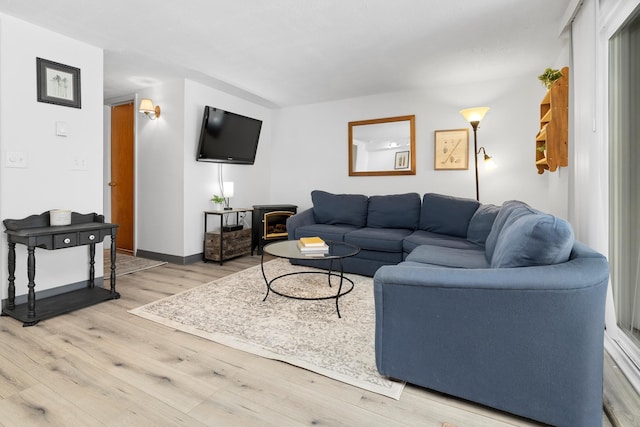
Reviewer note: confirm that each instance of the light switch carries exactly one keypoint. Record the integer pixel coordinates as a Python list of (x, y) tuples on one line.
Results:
[(15, 159), (62, 128)]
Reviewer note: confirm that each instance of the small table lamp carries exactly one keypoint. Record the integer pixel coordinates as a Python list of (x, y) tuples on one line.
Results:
[(227, 193)]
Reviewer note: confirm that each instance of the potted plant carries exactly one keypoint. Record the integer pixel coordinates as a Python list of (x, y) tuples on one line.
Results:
[(549, 76), (218, 201), (543, 150)]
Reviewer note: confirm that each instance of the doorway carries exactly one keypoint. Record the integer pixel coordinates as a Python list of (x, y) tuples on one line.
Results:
[(122, 174)]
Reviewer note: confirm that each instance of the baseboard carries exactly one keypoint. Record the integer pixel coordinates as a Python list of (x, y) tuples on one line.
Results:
[(173, 259)]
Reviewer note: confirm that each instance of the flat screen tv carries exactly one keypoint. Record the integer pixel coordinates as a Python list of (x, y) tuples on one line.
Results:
[(228, 137)]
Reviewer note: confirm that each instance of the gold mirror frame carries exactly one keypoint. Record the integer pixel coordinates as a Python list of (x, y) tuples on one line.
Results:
[(393, 137)]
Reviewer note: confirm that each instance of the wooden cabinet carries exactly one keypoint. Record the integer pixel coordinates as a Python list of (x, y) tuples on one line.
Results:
[(231, 240), (554, 126), (234, 244)]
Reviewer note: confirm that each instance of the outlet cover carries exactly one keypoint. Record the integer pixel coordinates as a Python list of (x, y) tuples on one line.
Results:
[(79, 164), (62, 129), (15, 159)]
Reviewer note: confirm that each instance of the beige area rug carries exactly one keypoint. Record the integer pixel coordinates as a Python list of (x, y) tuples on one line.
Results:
[(127, 264), (307, 334)]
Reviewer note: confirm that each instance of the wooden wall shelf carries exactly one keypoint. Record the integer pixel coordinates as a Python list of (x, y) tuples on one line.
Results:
[(554, 126)]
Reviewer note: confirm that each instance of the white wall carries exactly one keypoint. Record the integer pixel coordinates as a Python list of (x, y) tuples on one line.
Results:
[(305, 148), (160, 172), (28, 126), (595, 23), (106, 162), (251, 182), (310, 145), (173, 190), (590, 198)]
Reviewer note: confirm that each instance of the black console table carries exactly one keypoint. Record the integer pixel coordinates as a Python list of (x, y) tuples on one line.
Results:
[(35, 232)]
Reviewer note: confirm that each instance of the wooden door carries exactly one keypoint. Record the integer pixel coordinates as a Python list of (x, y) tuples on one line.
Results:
[(122, 174)]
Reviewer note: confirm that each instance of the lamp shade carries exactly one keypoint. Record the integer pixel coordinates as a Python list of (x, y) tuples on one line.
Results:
[(474, 114), (146, 106), (227, 189), (489, 164)]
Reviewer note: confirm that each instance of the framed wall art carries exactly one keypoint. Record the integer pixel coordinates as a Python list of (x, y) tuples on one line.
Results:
[(402, 160), (58, 83), (451, 149)]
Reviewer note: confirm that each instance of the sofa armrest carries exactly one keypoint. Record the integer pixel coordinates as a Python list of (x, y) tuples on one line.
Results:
[(573, 274), (300, 219), (524, 340)]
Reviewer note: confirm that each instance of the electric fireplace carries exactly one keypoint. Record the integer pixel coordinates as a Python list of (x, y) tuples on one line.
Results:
[(269, 224)]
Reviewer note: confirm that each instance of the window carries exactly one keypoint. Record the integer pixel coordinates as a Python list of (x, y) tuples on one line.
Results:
[(624, 143)]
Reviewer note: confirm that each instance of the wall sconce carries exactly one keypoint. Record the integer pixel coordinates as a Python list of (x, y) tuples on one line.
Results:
[(489, 164), (146, 107), (227, 193), (474, 116)]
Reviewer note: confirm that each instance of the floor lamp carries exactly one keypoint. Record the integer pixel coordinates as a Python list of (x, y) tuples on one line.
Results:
[(474, 116)]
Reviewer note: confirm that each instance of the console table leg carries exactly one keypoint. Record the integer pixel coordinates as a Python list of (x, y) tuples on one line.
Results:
[(11, 264), (92, 263), (112, 277), (31, 274)]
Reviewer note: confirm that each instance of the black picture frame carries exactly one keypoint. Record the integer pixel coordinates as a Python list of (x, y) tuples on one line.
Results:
[(58, 83)]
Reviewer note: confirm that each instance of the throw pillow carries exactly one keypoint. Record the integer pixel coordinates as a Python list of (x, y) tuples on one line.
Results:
[(533, 239), (481, 223), (350, 209), (446, 214), (394, 211), (505, 212)]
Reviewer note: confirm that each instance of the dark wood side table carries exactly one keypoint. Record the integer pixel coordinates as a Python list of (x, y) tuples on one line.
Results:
[(223, 214), (35, 232)]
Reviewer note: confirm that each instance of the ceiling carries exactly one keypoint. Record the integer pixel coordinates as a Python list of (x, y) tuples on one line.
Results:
[(292, 52)]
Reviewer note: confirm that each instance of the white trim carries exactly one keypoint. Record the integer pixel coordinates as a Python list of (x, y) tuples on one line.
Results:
[(120, 100), (614, 16), (570, 13)]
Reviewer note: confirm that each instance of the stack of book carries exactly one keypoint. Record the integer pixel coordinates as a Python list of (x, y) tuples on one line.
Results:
[(313, 246)]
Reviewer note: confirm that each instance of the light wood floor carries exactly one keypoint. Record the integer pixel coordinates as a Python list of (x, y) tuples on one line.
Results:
[(102, 366)]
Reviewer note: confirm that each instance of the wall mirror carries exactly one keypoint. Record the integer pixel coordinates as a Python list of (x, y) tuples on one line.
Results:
[(382, 147)]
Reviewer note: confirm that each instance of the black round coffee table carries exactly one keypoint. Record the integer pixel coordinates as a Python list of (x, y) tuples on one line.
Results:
[(288, 249)]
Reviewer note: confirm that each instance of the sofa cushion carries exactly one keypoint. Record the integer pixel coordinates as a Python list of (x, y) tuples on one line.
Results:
[(504, 213), (392, 258), (348, 209), (481, 223), (446, 214), (378, 239), (421, 237), (533, 239), (449, 257), (394, 211), (324, 231)]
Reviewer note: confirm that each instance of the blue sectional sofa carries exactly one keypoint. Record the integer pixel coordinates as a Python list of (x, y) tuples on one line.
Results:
[(388, 228), (497, 305)]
